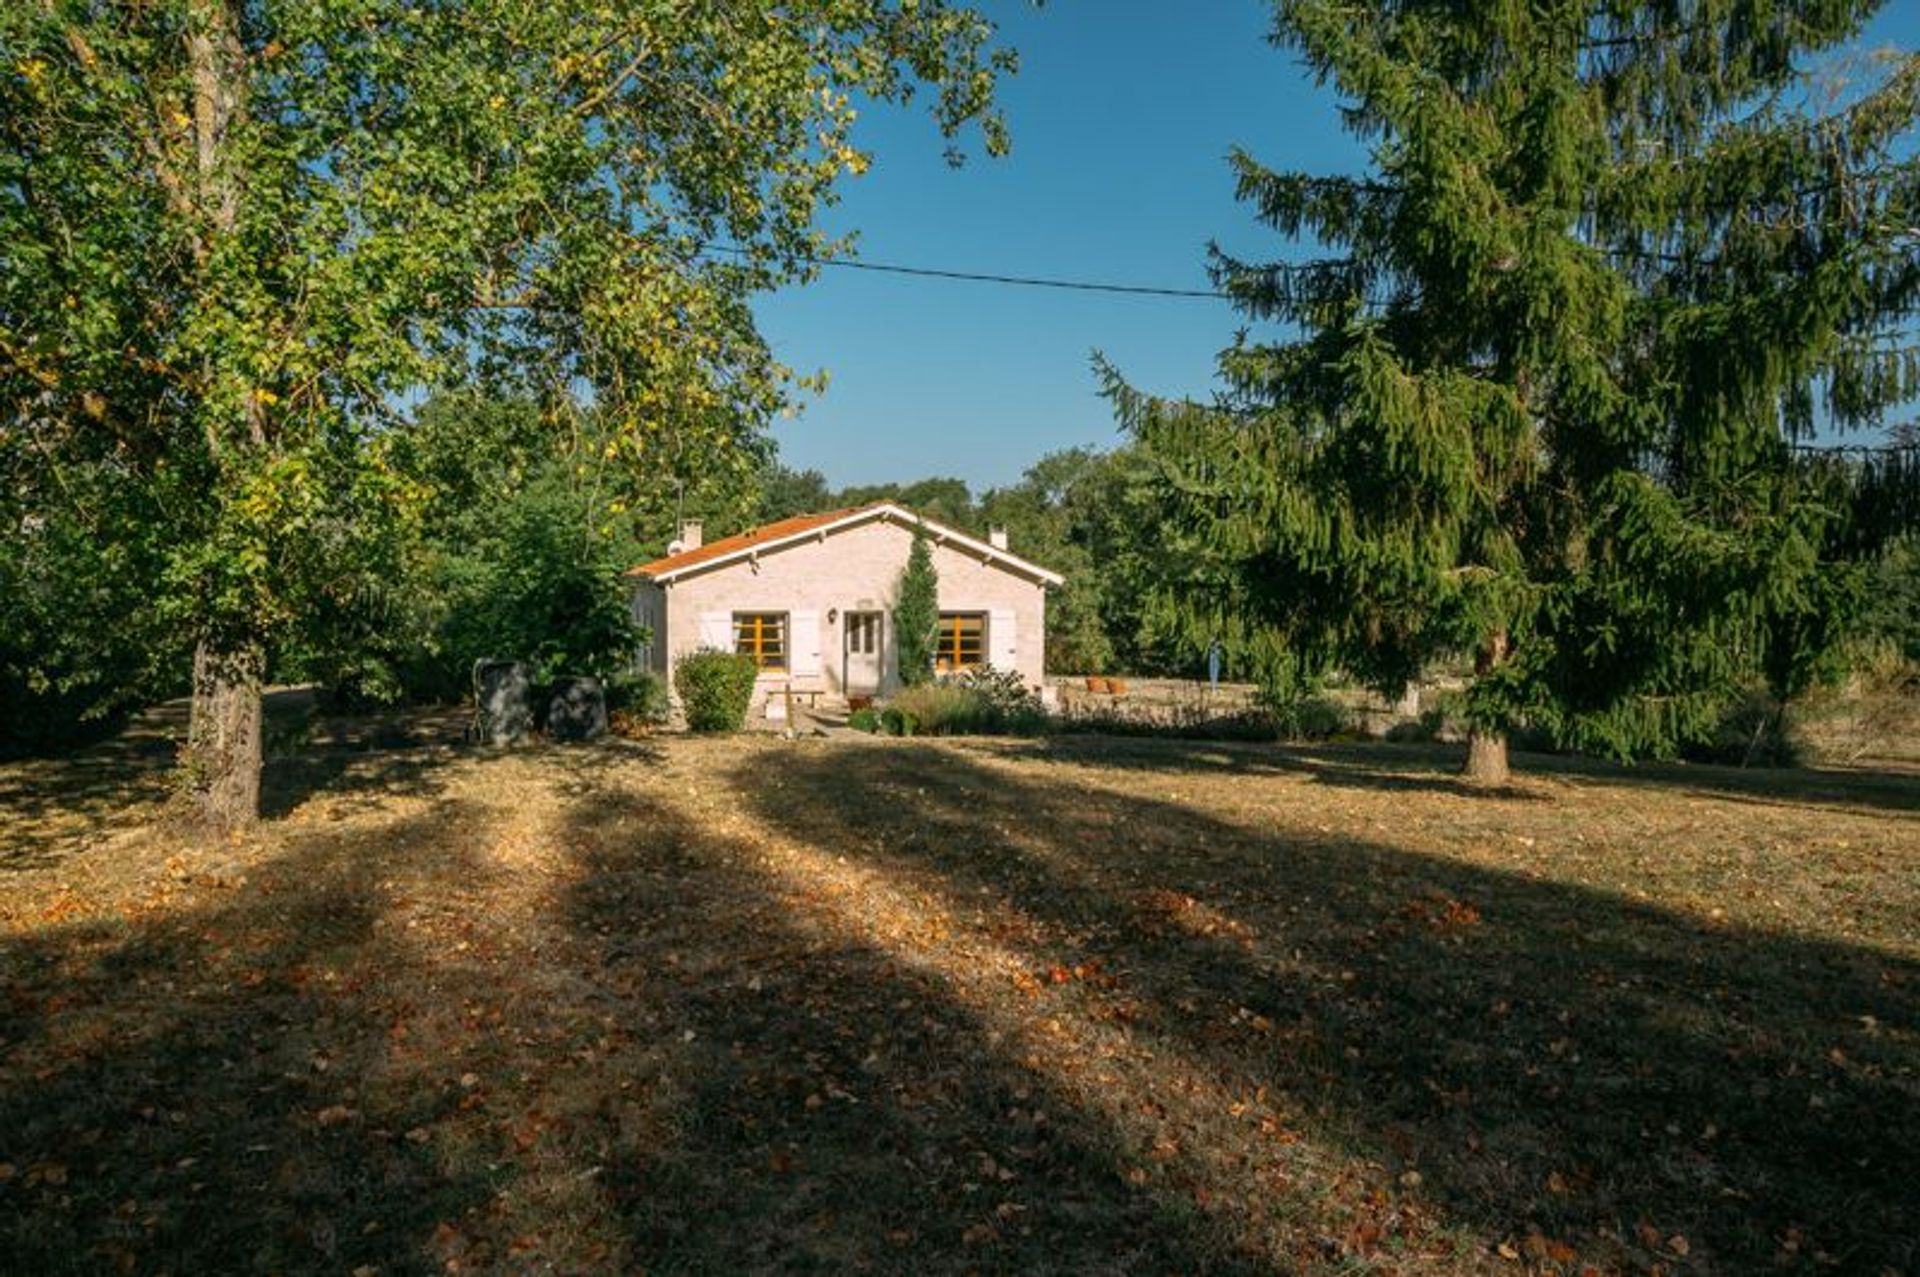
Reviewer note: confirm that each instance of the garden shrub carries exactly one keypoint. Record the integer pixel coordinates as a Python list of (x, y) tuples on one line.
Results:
[(1016, 706), (945, 709), (715, 689), (1309, 718), (897, 721), (864, 720), (641, 693), (978, 702), (637, 703)]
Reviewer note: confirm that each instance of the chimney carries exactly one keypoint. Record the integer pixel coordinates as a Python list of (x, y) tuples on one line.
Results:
[(689, 537), (997, 536)]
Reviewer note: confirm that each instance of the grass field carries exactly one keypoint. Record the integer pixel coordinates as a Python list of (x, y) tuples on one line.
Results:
[(1056, 1006)]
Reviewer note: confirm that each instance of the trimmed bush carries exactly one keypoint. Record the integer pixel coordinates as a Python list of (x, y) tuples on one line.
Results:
[(897, 721), (865, 719), (715, 689)]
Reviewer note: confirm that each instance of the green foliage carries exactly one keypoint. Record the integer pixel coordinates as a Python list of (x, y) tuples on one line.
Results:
[(864, 720), (79, 646), (1893, 613), (943, 500), (237, 236), (513, 553), (1306, 717), (640, 694), (981, 702), (1554, 360), (1010, 703), (898, 721), (916, 613), (715, 689), (1096, 519), (785, 493), (536, 583)]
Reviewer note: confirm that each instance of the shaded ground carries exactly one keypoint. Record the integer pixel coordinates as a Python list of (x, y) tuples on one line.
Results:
[(52, 806), (1072, 1006)]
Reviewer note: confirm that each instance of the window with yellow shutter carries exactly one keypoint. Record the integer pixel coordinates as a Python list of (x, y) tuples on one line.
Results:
[(963, 641), (763, 636)]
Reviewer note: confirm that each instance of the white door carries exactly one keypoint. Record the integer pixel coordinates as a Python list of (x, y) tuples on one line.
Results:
[(863, 642)]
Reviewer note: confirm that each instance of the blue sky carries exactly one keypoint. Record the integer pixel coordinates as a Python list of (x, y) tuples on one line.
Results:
[(1122, 115)]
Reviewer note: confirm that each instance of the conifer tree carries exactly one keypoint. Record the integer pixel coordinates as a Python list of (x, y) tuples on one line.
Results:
[(1555, 356), (916, 612)]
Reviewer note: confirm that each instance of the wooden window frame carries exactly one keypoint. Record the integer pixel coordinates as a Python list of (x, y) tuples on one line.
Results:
[(951, 650), (768, 644)]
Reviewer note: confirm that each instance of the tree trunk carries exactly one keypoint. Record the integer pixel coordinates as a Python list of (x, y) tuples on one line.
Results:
[(1487, 757), (223, 752), (1487, 746), (223, 738)]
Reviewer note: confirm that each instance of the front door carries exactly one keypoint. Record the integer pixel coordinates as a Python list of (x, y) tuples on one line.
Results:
[(863, 642)]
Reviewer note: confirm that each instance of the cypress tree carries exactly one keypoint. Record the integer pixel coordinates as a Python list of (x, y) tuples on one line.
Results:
[(916, 612), (1549, 378)]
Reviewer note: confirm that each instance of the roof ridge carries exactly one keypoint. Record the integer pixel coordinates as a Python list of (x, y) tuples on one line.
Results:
[(781, 530)]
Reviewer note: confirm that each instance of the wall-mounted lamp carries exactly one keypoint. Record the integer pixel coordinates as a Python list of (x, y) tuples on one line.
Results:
[(833, 614)]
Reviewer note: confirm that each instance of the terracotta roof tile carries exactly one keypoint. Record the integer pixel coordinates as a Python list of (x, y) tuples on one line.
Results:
[(797, 525)]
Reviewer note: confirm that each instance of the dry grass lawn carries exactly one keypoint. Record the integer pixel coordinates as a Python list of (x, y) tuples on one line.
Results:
[(1059, 1006)]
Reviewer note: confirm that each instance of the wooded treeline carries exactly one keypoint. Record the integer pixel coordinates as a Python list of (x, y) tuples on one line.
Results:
[(514, 544), (348, 342)]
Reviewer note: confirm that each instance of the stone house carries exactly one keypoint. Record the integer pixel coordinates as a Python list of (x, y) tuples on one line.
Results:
[(811, 600)]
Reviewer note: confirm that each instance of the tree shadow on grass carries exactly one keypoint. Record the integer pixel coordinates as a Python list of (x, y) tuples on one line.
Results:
[(354, 779), (1433, 768), (220, 1091), (598, 1026), (1543, 1060), (821, 1104), (52, 804), (365, 778), (633, 1048)]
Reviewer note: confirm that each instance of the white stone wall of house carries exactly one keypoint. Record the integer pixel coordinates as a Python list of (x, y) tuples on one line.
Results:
[(823, 583)]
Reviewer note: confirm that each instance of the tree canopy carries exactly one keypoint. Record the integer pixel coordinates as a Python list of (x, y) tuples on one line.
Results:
[(240, 236), (1543, 372)]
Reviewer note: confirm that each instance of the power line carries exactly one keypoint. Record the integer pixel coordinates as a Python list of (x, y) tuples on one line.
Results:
[(1022, 281)]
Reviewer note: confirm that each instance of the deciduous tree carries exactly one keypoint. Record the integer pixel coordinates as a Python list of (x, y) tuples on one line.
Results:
[(236, 236)]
